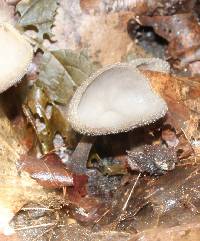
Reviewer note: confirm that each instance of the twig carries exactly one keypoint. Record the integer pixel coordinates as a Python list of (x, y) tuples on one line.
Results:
[(37, 209), (35, 226), (103, 215), (131, 192), (128, 199), (64, 192), (194, 153)]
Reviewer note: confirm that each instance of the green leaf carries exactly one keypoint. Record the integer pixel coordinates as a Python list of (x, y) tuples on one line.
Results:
[(55, 79), (38, 13), (77, 64), (62, 71)]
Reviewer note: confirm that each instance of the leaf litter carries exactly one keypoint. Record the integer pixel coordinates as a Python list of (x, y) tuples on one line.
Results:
[(64, 187), (37, 14)]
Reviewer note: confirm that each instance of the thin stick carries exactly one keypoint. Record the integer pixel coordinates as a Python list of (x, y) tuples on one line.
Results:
[(131, 192), (103, 215), (36, 209), (194, 153), (35, 226)]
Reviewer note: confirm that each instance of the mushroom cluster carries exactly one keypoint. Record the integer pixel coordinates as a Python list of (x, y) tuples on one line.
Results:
[(117, 98)]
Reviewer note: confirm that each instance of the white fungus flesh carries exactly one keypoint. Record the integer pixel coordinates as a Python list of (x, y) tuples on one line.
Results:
[(6, 12), (115, 99), (15, 56)]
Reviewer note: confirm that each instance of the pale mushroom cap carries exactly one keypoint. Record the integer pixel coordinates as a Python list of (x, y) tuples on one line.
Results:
[(15, 56), (154, 64), (116, 99), (6, 13)]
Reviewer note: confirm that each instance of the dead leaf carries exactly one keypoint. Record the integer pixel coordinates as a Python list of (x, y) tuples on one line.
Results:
[(167, 201), (178, 233), (13, 237), (103, 6), (65, 229), (153, 159), (48, 171), (62, 71), (182, 31), (76, 30), (155, 202), (170, 87), (15, 190), (87, 210), (180, 94), (37, 14), (46, 119), (139, 7)]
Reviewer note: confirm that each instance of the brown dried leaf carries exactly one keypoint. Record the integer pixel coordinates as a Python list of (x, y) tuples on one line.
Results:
[(67, 229), (47, 119), (167, 201), (104, 6), (181, 95), (182, 31), (13, 237), (51, 173), (178, 233), (76, 30), (171, 88), (15, 190), (172, 195), (87, 210), (48, 171), (138, 7), (153, 159)]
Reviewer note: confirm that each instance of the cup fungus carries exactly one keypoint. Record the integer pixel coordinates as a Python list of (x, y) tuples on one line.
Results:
[(15, 56), (117, 98)]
